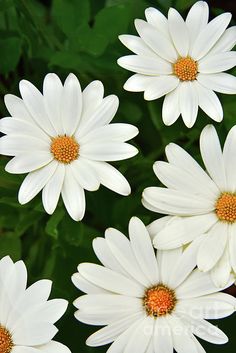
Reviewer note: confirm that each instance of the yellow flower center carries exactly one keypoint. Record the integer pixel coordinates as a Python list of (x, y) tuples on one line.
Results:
[(6, 343), (159, 300), (65, 149), (226, 207), (185, 69)]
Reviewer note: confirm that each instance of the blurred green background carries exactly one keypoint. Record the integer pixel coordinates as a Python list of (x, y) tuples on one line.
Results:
[(80, 36)]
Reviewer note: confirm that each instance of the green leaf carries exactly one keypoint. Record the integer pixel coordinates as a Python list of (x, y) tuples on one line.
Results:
[(10, 49), (10, 245), (53, 223), (182, 5)]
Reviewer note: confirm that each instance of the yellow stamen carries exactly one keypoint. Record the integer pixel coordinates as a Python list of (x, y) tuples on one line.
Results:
[(226, 207), (65, 149), (185, 69), (6, 343), (159, 300)]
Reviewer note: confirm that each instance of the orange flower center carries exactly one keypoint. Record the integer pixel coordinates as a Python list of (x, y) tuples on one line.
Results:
[(65, 149), (159, 300), (185, 69), (226, 207), (6, 343)]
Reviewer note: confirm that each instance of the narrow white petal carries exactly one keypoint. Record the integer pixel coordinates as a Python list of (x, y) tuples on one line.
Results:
[(182, 230), (52, 91), (229, 157), (212, 156), (145, 65), (156, 226), (219, 82), (167, 261), (27, 162), (110, 280), (209, 35), (85, 286), (35, 181), (197, 19), (179, 32), (136, 45), (141, 336), (107, 151), (232, 246), (71, 104), (97, 301), (73, 196), (17, 108), (24, 349), (157, 20), (157, 41), (13, 145), (226, 42), (52, 190), (93, 93), (217, 62), (162, 337), (188, 103), (52, 347), (84, 174), (33, 334), (143, 249), (170, 108), (220, 273), (34, 102), (138, 82), (160, 86), (111, 178), (209, 102)]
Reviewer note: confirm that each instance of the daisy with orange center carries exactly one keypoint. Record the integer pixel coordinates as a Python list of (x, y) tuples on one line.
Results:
[(6, 343), (148, 302), (198, 202), (63, 139), (183, 60)]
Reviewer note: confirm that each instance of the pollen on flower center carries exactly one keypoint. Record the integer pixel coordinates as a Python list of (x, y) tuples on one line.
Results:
[(185, 69), (65, 149), (6, 343), (159, 300), (226, 207)]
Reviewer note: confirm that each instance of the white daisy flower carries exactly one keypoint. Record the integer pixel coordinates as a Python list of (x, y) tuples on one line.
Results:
[(62, 139), (183, 60), (148, 304), (27, 317), (199, 202)]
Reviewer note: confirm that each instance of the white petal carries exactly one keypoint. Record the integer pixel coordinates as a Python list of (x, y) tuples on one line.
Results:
[(35, 181), (52, 190), (182, 230), (170, 108), (110, 333), (179, 32), (17, 126), (11, 145), (157, 41), (112, 132), (220, 273), (226, 42), (219, 82), (28, 162), (209, 102), (138, 83), (167, 261), (24, 349), (17, 108), (34, 102), (188, 103), (217, 62), (93, 93), (212, 247), (121, 248), (107, 151), (52, 91), (101, 115), (232, 246), (178, 156), (33, 334), (110, 280), (162, 336), (229, 157), (197, 19), (71, 105), (85, 286), (160, 86), (111, 178), (212, 156), (136, 45), (157, 19), (52, 347), (141, 336), (209, 35), (156, 226), (145, 65), (73, 196), (143, 249), (84, 174), (175, 202)]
